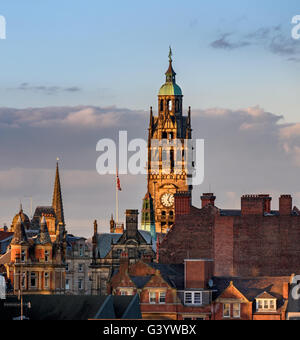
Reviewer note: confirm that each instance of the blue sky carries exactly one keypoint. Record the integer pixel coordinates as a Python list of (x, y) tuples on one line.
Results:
[(115, 53)]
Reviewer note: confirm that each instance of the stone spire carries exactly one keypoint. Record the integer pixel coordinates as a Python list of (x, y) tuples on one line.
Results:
[(43, 237), (19, 233), (57, 202)]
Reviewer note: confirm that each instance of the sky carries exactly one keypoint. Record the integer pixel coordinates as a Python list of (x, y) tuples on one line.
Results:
[(73, 72)]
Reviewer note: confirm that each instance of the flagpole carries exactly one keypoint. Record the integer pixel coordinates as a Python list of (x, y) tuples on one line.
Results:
[(117, 202)]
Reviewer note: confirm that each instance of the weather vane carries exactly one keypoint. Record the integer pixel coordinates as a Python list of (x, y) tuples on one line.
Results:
[(170, 54)]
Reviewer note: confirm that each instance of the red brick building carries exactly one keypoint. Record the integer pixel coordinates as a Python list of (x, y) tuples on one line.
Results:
[(252, 241), (166, 291), (190, 292)]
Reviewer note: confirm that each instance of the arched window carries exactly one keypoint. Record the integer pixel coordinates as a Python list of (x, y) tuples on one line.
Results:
[(164, 135), (171, 213), (161, 105), (169, 105), (177, 105), (172, 160)]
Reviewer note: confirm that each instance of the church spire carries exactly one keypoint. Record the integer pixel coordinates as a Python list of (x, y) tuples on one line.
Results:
[(57, 202)]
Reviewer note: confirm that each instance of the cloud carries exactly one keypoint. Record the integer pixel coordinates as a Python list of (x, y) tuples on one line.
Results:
[(273, 38), (48, 90), (64, 117), (224, 43)]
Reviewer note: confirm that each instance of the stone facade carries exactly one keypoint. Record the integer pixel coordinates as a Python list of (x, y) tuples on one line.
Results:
[(78, 259), (167, 163), (107, 250)]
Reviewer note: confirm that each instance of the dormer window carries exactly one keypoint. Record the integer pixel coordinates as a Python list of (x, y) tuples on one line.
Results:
[(266, 305), (193, 298)]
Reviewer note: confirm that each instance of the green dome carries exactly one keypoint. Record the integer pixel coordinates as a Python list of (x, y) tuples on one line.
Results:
[(170, 89)]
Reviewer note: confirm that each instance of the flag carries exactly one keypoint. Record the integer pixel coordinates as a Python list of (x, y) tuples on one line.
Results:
[(118, 182)]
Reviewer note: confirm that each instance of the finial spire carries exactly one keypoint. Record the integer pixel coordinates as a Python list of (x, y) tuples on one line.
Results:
[(170, 74)]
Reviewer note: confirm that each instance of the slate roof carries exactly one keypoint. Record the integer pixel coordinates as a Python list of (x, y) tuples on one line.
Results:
[(253, 287), (106, 240), (173, 274), (4, 235), (140, 281), (64, 307)]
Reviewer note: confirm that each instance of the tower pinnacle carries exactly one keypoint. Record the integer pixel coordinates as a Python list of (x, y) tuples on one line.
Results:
[(57, 202)]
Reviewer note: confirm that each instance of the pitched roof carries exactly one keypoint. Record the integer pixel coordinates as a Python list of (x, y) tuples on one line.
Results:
[(140, 281), (265, 295), (67, 307), (43, 236), (4, 235), (253, 287), (5, 258), (106, 240), (20, 236)]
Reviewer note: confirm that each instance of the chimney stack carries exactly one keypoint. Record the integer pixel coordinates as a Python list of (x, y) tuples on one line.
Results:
[(132, 223), (197, 273), (182, 203), (285, 205), (208, 199)]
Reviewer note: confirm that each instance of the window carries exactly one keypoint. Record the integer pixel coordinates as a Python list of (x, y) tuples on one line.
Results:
[(33, 280), (81, 252), (67, 267), (46, 277), (80, 267), (188, 298), (152, 297), (177, 105), (197, 298), (23, 282), (67, 284), (161, 105), (226, 310), (162, 297), (236, 310), (80, 284), (123, 292), (23, 256), (266, 304), (193, 298), (46, 255)]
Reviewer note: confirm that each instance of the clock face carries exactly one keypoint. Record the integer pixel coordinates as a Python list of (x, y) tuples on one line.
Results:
[(167, 200)]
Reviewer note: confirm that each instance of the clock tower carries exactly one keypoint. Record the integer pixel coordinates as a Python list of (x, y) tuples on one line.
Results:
[(167, 155)]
